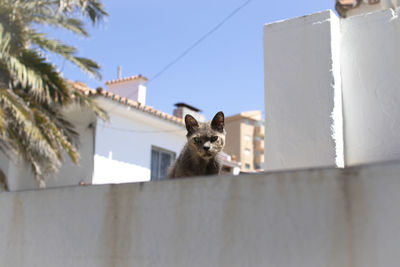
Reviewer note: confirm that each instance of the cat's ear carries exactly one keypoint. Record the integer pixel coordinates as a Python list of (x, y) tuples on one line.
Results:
[(191, 124), (218, 123)]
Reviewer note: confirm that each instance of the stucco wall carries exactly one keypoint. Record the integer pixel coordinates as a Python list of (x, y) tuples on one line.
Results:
[(300, 90), (370, 73), (332, 90), (310, 218), (132, 89)]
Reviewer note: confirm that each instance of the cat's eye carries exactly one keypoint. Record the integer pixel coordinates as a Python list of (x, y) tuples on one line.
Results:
[(197, 140), (214, 138)]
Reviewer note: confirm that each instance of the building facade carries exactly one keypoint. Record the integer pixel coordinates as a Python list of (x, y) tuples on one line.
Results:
[(136, 144), (245, 140)]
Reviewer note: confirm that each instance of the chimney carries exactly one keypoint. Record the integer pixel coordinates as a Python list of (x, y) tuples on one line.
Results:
[(132, 87), (182, 109), (119, 74)]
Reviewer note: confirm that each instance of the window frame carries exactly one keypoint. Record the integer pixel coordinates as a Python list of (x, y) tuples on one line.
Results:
[(160, 151)]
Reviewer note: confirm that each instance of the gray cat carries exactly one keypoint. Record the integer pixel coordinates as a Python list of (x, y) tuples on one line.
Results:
[(199, 156)]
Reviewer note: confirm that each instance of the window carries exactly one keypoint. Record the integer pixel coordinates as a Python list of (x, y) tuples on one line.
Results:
[(247, 151), (247, 137), (247, 166), (259, 166), (259, 123), (246, 121), (256, 138), (161, 159)]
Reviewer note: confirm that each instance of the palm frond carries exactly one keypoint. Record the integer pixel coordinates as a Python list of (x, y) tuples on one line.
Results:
[(66, 52), (32, 72), (22, 122), (36, 138), (71, 24), (3, 122), (93, 9), (32, 91), (55, 136)]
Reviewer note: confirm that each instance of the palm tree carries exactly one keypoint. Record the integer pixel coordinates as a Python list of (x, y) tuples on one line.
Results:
[(32, 91)]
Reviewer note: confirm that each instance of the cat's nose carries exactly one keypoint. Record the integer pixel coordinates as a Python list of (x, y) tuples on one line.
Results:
[(206, 146)]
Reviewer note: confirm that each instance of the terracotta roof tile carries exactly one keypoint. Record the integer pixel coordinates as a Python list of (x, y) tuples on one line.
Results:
[(128, 102), (131, 78)]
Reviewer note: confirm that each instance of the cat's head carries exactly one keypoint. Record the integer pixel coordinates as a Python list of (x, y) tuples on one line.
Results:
[(206, 139)]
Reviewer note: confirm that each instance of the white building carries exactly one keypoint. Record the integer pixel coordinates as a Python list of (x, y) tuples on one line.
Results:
[(138, 143)]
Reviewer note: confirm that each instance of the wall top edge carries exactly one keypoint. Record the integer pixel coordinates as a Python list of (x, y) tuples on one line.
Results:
[(315, 18)]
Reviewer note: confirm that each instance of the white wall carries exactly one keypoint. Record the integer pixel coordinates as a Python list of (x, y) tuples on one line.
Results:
[(332, 90), (123, 145), (110, 151), (301, 87), (310, 218), (132, 89), (370, 63)]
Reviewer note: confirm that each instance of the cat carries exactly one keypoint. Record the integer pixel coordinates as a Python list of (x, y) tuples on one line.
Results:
[(200, 156)]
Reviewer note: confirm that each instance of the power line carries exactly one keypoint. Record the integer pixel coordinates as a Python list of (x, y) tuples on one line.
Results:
[(200, 40), (196, 43)]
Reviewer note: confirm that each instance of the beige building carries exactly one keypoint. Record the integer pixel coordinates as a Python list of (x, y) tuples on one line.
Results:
[(245, 140)]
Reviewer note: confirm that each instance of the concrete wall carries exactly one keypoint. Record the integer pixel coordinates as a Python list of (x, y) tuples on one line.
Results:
[(310, 218), (370, 63), (123, 145), (332, 90), (300, 90)]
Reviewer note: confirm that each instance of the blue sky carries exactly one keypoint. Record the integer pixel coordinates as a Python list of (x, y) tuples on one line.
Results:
[(224, 72)]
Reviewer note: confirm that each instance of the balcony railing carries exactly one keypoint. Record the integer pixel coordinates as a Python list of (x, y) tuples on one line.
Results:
[(259, 158), (259, 131), (259, 145)]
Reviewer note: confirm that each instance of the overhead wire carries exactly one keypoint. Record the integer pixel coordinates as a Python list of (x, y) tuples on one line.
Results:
[(195, 44), (199, 41), (190, 48)]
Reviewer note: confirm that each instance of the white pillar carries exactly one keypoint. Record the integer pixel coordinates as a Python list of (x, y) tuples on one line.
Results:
[(370, 63), (332, 90), (303, 108)]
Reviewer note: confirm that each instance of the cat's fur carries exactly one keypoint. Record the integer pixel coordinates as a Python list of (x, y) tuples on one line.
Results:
[(199, 156)]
